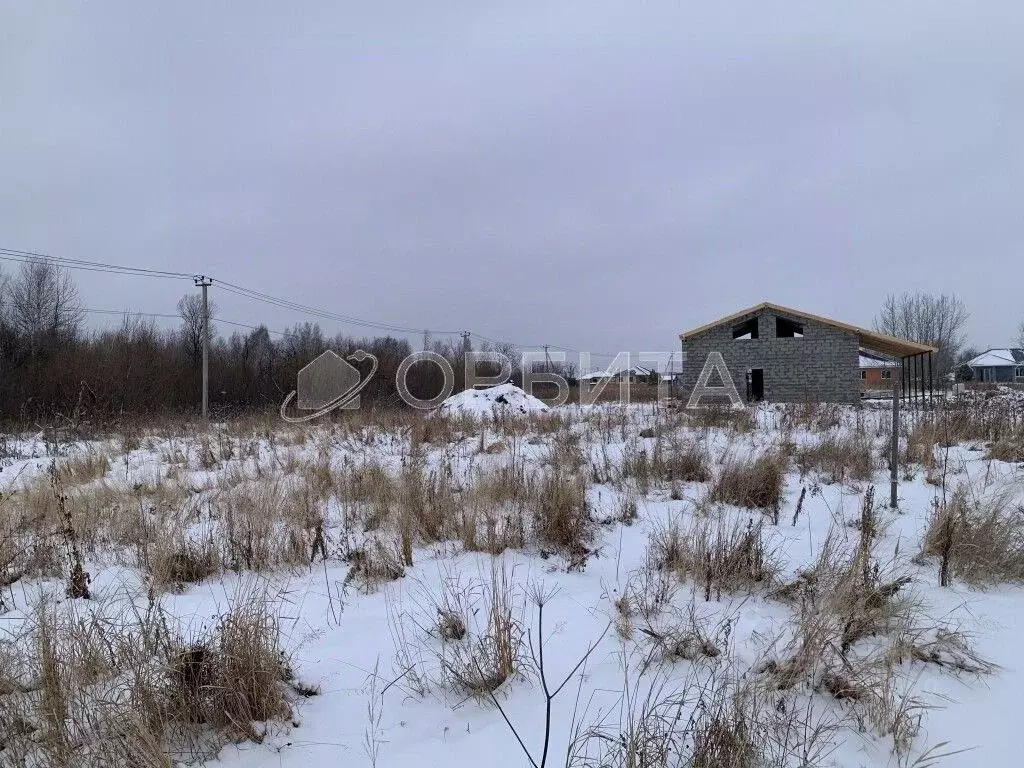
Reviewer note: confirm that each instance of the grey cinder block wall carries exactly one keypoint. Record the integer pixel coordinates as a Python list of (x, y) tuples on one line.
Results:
[(822, 366)]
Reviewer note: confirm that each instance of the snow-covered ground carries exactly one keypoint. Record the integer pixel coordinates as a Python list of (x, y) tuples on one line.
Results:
[(373, 647)]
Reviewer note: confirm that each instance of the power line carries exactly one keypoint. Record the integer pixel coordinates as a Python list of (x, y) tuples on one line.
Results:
[(92, 311), (26, 257), (307, 309), (481, 337)]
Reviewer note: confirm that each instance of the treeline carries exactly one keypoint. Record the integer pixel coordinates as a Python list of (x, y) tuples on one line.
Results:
[(53, 368)]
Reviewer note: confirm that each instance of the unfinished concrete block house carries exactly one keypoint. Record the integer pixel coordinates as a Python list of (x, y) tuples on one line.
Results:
[(784, 355)]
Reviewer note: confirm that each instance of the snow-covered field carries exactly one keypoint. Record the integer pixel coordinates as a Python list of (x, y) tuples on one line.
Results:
[(421, 573)]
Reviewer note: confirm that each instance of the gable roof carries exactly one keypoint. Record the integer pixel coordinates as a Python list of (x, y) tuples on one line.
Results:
[(872, 340), (636, 370), (997, 358)]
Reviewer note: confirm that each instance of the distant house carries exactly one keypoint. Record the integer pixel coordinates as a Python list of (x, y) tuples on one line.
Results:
[(636, 374), (998, 365), (594, 378), (784, 355), (875, 371)]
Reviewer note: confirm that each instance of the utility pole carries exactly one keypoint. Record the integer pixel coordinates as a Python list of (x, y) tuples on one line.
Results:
[(547, 359), (426, 339), (205, 282), (465, 342)]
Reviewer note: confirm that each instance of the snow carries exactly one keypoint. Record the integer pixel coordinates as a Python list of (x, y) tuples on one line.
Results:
[(502, 399), (637, 371), (343, 640), (994, 358)]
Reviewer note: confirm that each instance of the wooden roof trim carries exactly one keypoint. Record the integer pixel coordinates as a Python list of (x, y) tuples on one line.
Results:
[(873, 340)]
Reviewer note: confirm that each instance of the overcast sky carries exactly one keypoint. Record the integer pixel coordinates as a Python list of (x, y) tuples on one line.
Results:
[(592, 174)]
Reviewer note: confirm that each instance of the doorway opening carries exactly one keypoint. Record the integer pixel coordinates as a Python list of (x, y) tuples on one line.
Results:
[(755, 385)]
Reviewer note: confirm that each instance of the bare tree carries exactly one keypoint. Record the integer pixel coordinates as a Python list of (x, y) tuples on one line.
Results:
[(4, 282), (939, 321), (303, 342), (190, 310), (1020, 334), (42, 303)]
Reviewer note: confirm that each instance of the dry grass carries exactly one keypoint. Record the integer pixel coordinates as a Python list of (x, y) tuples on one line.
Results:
[(686, 462), (740, 420), (725, 554), (720, 719), (377, 561), (98, 688), (83, 468), (999, 425), (176, 561), (979, 539), (493, 651), (560, 513), (752, 483), (139, 692), (650, 589), (467, 639), (687, 636), (670, 460), (105, 516), (838, 459), (1008, 448), (940, 646), (920, 444), (854, 626), (726, 732), (815, 417)]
